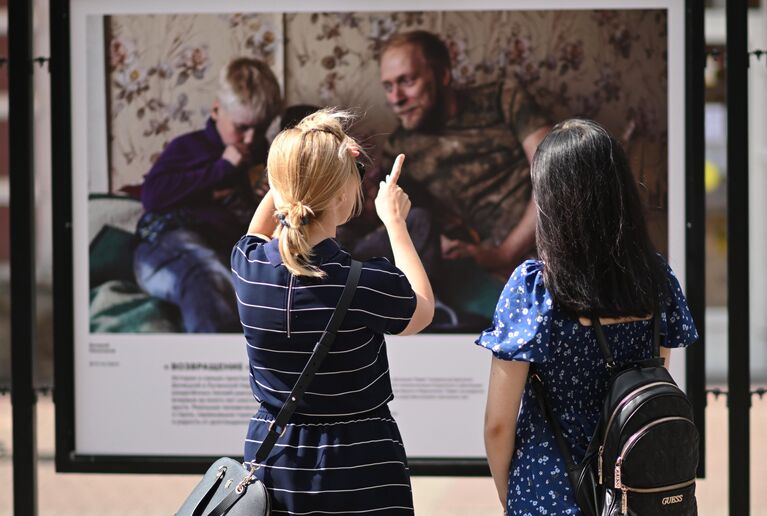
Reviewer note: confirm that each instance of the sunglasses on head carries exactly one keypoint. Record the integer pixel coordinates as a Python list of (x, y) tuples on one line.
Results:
[(360, 169)]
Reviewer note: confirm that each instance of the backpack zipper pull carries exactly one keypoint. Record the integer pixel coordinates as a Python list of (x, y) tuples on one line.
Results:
[(600, 464), (619, 485), (624, 501)]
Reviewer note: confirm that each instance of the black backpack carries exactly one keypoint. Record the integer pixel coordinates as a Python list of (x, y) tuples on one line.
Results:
[(643, 457)]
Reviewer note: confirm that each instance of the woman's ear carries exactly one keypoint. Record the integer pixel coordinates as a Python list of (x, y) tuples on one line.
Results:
[(214, 109), (276, 196), (340, 205)]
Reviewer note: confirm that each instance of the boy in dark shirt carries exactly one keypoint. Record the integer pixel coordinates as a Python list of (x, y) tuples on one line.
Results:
[(198, 197)]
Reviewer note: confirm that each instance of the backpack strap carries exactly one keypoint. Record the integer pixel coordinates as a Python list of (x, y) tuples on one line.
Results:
[(321, 349), (656, 331), (605, 346)]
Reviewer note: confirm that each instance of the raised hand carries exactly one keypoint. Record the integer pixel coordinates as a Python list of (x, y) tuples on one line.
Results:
[(392, 203), (233, 154), (244, 149)]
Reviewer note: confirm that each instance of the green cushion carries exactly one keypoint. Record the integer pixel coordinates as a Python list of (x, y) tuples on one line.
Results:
[(477, 292), (121, 307), (111, 256)]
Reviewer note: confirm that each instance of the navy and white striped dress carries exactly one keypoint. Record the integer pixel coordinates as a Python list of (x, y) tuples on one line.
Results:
[(342, 452)]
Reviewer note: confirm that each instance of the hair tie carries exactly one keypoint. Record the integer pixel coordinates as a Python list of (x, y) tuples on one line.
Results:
[(284, 220)]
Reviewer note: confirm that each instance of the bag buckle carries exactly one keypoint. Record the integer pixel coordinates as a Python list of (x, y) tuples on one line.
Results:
[(221, 471), (248, 479)]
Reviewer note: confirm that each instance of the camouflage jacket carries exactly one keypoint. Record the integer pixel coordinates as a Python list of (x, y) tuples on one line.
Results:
[(473, 173)]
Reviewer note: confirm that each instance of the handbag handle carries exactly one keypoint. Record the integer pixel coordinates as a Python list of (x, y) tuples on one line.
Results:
[(321, 349), (230, 499), (205, 500)]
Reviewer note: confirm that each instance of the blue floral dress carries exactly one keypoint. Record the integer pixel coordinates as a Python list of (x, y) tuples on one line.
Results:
[(529, 327)]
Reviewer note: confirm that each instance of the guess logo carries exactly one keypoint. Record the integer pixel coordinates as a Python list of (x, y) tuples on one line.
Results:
[(672, 499)]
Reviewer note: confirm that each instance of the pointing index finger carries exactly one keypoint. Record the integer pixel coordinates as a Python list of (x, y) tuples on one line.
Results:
[(396, 170)]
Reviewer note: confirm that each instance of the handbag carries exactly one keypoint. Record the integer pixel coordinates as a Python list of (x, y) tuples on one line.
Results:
[(229, 487)]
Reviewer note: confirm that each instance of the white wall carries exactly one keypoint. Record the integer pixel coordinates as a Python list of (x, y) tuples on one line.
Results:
[(44, 246)]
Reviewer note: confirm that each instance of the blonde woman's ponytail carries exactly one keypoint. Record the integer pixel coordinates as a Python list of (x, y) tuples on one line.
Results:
[(309, 165), (293, 235)]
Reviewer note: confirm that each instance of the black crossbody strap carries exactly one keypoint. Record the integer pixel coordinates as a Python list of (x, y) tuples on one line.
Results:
[(548, 413), (277, 427), (575, 472)]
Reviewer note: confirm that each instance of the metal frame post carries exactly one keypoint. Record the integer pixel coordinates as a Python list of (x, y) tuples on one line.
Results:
[(22, 233), (738, 306), (61, 224), (695, 208)]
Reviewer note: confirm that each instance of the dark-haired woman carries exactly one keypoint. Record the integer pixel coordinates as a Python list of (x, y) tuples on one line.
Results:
[(596, 258)]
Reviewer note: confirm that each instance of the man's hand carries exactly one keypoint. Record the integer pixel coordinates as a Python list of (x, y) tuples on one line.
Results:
[(490, 257), (502, 258), (392, 203), (232, 155), (220, 194), (456, 249)]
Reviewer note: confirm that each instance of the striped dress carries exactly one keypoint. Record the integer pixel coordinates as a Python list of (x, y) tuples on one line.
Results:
[(342, 452)]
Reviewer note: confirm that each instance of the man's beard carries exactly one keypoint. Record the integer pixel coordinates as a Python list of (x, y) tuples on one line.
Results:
[(434, 119)]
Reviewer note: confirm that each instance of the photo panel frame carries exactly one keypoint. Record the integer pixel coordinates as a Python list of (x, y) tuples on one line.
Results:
[(135, 393)]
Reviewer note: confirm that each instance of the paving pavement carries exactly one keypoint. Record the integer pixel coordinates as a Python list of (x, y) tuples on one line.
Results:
[(148, 495)]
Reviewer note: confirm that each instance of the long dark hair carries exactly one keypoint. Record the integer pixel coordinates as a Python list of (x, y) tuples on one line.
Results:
[(591, 232)]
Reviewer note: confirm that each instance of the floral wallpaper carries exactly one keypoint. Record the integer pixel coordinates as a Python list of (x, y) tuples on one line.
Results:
[(163, 75), (609, 65)]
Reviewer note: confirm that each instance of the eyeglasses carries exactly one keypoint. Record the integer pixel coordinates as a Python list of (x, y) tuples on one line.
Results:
[(360, 169)]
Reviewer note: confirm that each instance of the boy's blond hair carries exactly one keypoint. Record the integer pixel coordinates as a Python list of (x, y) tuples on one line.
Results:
[(247, 84)]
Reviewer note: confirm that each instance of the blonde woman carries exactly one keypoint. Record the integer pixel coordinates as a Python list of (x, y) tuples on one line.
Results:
[(342, 451)]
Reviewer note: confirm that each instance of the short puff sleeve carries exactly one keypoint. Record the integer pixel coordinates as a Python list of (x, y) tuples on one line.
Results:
[(521, 327), (677, 325)]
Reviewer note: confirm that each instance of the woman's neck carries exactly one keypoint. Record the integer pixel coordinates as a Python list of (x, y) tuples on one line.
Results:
[(320, 231)]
